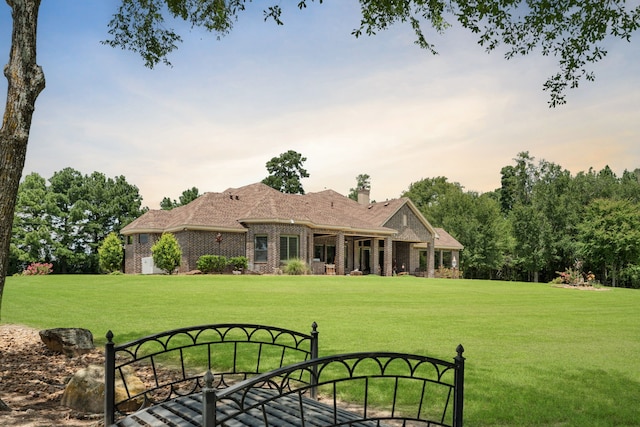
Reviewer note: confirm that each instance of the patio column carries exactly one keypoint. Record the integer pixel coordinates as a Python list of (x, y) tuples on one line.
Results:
[(388, 256), (310, 248), (340, 254), (375, 267), (430, 259)]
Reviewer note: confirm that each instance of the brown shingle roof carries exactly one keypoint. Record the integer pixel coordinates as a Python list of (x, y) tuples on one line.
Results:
[(261, 203), (446, 241)]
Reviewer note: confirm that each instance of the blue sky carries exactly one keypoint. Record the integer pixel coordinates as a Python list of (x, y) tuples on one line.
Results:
[(377, 105)]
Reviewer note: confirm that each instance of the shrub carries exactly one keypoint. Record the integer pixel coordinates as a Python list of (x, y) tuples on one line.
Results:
[(211, 263), (239, 263), (574, 276), (110, 253), (448, 273), (630, 276), (38, 269), (295, 267), (166, 253)]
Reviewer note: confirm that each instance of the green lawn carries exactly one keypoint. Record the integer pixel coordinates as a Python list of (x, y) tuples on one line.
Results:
[(536, 355)]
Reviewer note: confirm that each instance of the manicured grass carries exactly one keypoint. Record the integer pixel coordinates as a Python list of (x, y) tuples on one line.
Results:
[(536, 355)]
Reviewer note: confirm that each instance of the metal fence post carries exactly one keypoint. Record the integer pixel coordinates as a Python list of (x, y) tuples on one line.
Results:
[(314, 355), (208, 401), (458, 402), (109, 380)]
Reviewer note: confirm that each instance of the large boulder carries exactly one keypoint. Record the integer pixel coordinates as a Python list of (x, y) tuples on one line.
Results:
[(85, 390), (70, 341)]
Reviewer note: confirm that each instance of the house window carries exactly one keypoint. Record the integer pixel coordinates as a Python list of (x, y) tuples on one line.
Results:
[(260, 251), (404, 220), (288, 247), (143, 238), (129, 239), (318, 252)]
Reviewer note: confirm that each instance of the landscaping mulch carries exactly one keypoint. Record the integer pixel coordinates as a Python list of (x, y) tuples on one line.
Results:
[(33, 378)]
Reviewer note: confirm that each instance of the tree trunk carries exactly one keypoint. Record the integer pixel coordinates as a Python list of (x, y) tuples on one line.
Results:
[(614, 275), (26, 81)]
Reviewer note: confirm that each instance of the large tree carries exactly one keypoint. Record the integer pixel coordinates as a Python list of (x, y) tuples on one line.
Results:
[(363, 182), (473, 219), (286, 172), (32, 238), (573, 31), (187, 196), (610, 236)]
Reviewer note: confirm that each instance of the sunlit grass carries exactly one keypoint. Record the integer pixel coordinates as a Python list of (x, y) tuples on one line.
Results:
[(536, 355)]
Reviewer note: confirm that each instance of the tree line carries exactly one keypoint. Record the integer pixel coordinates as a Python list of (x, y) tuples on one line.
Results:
[(66, 219), (542, 223)]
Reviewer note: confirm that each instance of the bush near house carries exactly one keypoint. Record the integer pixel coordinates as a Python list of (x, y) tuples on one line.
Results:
[(212, 263), (448, 273), (167, 253), (240, 263), (110, 254), (217, 263), (295, 266)]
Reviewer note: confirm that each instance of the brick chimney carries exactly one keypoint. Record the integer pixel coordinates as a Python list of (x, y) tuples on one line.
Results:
[(363, 196)]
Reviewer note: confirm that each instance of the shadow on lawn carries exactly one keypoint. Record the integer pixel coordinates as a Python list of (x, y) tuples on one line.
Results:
[(572, 397)]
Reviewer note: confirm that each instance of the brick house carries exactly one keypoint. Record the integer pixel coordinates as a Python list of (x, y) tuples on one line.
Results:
[(330, 232)]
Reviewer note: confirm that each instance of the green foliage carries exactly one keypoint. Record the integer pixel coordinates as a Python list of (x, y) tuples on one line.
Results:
[(32, 240), (630, 276), (609, 235), (212, 263), (186, 197), (473, 219), (67, 220), (295, 267), (111, 253), (574, 276), (166, 253), (363, 181), (286, 172), (538, 222), (217, 263), (240, 263)]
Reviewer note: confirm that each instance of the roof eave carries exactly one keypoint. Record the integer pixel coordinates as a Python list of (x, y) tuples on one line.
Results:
[(142, 230), (188, 227)]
